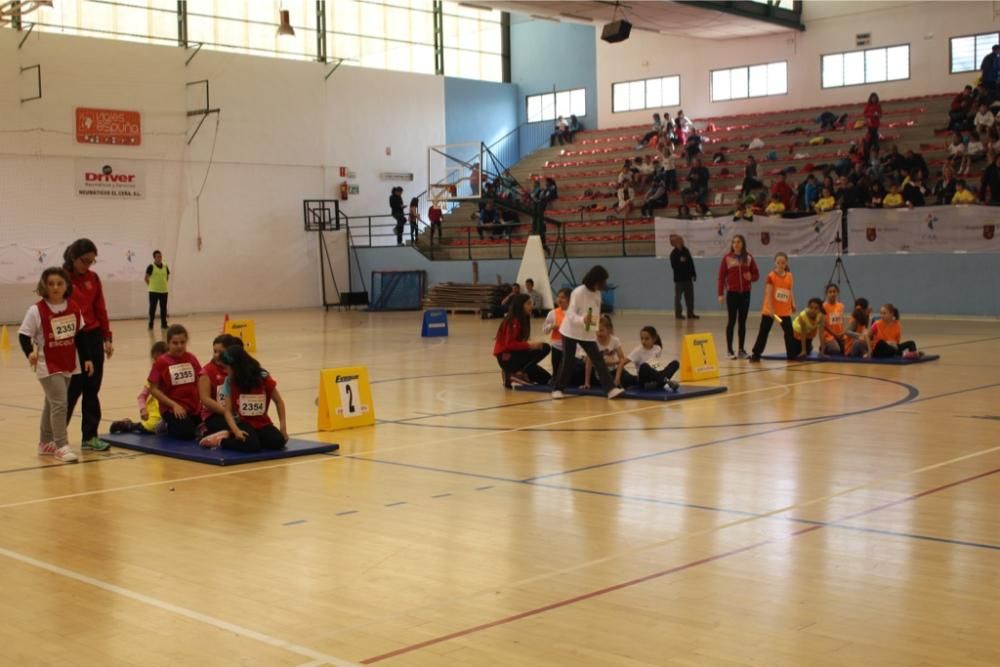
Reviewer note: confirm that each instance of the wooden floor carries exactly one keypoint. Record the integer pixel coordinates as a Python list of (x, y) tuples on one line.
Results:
[(814, 515)]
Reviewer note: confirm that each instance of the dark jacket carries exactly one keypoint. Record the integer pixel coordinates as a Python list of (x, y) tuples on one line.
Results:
[(396, 205), (915, 194), (683, 265)]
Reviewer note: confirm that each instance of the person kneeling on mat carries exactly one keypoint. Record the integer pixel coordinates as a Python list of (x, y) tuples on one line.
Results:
[(150, 420), (211, 382), (806, 326), (172, 382), (652, 372), (247, 395), (518, 359)]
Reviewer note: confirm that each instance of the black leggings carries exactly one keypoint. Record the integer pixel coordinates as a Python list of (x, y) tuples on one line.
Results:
[(738, 306), (794, 346), (569, 362), (88, 386), (885, 351), (266, 437), (765, 330), (526, 361), (158, 298), (181, 429), (649, 375)]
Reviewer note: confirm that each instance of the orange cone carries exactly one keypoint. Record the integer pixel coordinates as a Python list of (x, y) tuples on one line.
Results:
[(225, 321)]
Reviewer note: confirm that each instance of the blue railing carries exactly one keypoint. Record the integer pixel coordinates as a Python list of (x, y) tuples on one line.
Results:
[(523, 140)]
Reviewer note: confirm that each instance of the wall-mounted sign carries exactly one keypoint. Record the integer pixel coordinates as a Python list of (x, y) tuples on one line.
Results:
[(395, 176), (110, 179), (353, 189), (108, 126)]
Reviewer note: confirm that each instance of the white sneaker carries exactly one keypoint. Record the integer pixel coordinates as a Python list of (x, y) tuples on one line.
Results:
[(672, 385), (46, 448), (556, 395), (64, 454), (615, 393)]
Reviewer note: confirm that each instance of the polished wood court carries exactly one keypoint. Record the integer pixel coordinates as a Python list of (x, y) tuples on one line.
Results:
[(814, 515)]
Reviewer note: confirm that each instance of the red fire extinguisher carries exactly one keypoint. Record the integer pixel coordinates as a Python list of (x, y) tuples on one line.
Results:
[(343, 191)]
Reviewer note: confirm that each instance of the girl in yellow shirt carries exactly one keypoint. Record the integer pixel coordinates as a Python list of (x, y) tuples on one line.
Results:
[(893, 199), (826, 202), (962, 194)]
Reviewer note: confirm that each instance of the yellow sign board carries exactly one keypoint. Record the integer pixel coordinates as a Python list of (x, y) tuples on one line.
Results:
[(345, 399), (698, 358), (245, 331)]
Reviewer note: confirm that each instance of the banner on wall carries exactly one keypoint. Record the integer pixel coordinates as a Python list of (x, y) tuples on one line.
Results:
[(927, 229), (110, 179), (113, 127), (117, 261), (815, 235)]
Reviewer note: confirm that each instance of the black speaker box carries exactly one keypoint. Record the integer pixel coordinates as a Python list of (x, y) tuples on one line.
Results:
[(616, 31)]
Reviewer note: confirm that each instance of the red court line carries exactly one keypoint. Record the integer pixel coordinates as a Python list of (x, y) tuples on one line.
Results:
[(661, 573)]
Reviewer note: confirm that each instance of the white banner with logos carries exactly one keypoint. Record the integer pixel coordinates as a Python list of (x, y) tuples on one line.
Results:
[(110, 178), (926, 229), (117, 261), (711, 237)]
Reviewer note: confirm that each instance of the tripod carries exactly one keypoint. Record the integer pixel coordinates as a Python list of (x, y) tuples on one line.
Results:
[(840, 272)]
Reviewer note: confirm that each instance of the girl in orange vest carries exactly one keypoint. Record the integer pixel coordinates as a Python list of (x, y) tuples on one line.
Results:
[(856, 335), (779, 305), (834, 339), (887, 336), (551, 327)]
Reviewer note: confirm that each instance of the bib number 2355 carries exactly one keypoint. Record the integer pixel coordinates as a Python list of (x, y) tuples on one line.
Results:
[(181, 374)]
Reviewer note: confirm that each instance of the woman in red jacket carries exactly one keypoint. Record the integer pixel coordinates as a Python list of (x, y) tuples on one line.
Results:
[(518, 359), (88, 296), (873, 119), (737, 273)]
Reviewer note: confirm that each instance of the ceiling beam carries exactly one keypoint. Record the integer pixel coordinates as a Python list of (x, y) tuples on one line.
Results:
[(768, 13)]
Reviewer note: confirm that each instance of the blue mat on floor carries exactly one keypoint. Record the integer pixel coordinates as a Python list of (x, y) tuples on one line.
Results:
[(891, 361), (190, 451), (685, 391)]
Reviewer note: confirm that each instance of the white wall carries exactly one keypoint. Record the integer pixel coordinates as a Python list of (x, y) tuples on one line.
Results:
[(830, 28), (282, 133)]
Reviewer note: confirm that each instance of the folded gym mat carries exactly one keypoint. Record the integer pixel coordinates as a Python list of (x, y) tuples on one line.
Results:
[(891, 361), (685, 391), (190, 451)]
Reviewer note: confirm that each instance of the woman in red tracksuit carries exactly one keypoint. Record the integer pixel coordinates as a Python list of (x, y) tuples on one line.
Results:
[(518, 358), (873, 119), (95, 343), (737, 273)]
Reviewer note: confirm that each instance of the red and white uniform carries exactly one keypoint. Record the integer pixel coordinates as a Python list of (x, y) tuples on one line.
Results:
[(251, 407), (216, 379), (177, 378), (54, 328)]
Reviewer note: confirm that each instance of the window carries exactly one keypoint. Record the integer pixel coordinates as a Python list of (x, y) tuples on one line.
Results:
[(663, 91), (967, 52), (565, 103), (751, 81), (868, 66)]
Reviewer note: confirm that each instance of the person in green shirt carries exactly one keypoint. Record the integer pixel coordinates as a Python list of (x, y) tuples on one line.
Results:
[(157, 278)]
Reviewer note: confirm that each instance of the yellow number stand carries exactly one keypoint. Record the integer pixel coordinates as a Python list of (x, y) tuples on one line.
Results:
[(345, 399), (698, 358), (245, 331)]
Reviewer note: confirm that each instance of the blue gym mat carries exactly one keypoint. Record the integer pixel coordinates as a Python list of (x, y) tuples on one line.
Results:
[(685, 391), (891, 361), (190, 451)]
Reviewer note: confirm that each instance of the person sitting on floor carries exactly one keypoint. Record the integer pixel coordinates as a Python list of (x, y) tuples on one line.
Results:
[(517, 357)]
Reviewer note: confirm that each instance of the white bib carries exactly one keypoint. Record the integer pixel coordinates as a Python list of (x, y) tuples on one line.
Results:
[(64, 327), (782, 295), (253, 405), (836, 319), (181, 374)]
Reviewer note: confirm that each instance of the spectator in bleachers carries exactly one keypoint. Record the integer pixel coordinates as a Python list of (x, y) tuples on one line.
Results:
[(666, 132), (975, 151), (435, 215), (825, 203), (984, 119), (668, 161), (775, 207), (682, 125), (655, 131), (873, 120), (683, 212), (697, 190), (893, 199), (989, 69), (915, 162), (914, 192), (574, 127), (956, 152), (488, 220), (645, 170), (962, 194), (626, 197), (692, 147), (830, 121), (626, 174), (560, 132), (989, 185), (877, 195), (781, 188), (809, 193), (750, 179), (893, 162), (475, 176), (944, 189), (656, 197), (961, 109)]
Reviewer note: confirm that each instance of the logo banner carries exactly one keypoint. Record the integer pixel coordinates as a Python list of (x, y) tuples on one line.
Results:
[(110, 179), (927, 229), (113, 127), (814, 235)]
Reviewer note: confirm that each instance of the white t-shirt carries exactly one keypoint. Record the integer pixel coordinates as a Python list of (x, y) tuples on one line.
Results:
[(985, 118), (641, 355), (580, 301), (609, 351), (976, 148), (32, 328), (956, 150), (549, 326)]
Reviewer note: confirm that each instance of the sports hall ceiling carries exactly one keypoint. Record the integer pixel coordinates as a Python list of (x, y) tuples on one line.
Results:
[(663, 16)]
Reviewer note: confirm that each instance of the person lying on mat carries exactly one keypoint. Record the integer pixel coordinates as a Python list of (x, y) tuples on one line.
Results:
[(173, 382), (856, 335), (150, 419), (247, 395), (887, 334), (517, 357), (651, 369), (833, 326), (806, 325), (210, 383)]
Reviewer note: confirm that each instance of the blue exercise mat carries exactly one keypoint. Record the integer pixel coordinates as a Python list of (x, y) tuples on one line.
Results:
[(685, 391), (190, 451), (891, 361)]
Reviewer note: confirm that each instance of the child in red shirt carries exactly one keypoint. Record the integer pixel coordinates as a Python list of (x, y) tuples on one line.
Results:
[(173, 382), (248, 393)]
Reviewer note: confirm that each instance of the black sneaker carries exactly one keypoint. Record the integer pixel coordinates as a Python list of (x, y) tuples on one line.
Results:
[(121, 426), (754, 359), (694, 317), (680, 317)]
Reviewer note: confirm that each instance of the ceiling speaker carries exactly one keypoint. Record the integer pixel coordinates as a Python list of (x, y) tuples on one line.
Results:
[(616, 31)]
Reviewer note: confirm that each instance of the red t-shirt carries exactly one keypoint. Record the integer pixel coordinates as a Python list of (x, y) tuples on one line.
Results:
[(177, 378), (434, 214), (88, 296), (216, 376), (509, 337), (251, 406)]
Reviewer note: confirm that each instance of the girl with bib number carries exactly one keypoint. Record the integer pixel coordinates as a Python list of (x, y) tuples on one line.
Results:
[(248, 393), (51, 338), (834, 332), (173, 381), (779, 304)]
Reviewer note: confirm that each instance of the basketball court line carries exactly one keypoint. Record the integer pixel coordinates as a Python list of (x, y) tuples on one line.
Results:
[(204, 619), (662, 573)]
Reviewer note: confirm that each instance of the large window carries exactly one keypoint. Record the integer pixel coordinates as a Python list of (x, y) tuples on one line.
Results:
[(663, 91), (968, 52), (868, 66), (565, 103), (740, 83)]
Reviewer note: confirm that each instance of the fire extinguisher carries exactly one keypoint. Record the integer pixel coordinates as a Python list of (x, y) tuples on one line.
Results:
[(343, 191)]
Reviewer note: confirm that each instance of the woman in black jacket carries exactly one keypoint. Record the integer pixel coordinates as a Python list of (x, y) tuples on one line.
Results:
[(684, 276)]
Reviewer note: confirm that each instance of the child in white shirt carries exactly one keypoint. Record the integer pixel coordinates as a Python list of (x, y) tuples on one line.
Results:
[(653, 372)]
